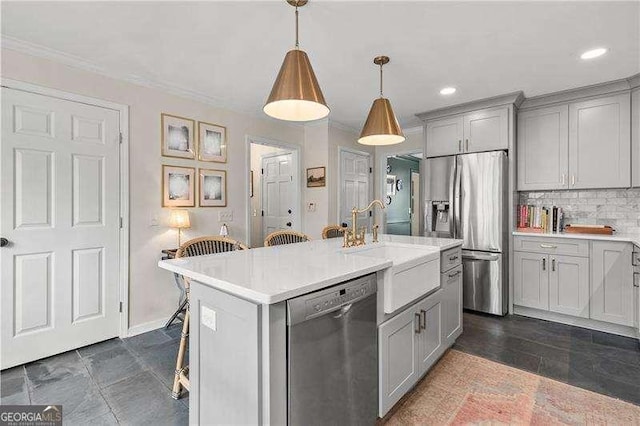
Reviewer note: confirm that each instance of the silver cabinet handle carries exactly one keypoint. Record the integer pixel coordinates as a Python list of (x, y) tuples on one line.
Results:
[(573, 180), (544, 263), (550, 246), (562, 179), (423, 319), (417, 322), (452, 258), (635, 258), (553, 265), (467, 143), (455, 274), (636, 279), (459, 145)]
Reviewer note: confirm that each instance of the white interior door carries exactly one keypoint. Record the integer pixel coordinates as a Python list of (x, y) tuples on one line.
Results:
[(415, 203), (59, 209), (278, 193), (354, 186)]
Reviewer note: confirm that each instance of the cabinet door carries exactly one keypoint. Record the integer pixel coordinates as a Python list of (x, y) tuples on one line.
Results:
[(451, 282), (635, 137), (569, 285), (486, 130), (600, 143), (612, 282), (397, 346), (543, 148), (531, 280), (430, 337), (444, 136)]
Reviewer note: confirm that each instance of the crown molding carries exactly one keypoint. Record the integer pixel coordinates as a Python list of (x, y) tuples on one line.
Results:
[(515, 98), (43, 52)]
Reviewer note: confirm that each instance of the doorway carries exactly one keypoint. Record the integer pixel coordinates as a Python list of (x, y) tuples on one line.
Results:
[(64, 215), (274, 189), (355, 186), (402, 194)]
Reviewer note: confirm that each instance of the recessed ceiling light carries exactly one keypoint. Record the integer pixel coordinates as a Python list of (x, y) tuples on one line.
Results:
[(593, 53), (448, 91)]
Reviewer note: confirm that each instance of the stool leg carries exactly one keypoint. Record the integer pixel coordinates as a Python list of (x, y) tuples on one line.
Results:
[(177, 386)]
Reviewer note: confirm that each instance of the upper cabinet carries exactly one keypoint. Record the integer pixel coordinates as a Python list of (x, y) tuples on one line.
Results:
[(483, 130), (635, 136), (543, 148), (575, 145), (600, 143)]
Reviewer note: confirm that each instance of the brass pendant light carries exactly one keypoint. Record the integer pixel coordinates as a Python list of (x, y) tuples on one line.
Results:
[(296, 94), (381, 127)]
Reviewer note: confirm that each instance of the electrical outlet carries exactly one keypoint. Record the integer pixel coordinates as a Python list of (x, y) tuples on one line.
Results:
[(154, 221), (225, 216), (311, 207), (208, 318)]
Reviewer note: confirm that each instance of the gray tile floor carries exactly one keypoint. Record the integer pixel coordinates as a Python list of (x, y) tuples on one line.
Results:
[(601, 362), (114, 382)]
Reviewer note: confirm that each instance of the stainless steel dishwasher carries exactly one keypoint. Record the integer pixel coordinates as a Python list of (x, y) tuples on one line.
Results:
[(332, 355)]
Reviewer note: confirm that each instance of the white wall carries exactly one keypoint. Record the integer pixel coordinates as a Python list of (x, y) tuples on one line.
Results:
[(153, 295), (316, 154)]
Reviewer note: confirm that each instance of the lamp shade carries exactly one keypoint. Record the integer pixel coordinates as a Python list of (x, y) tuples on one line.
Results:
[(296, 94), (179, 219), (381, 127)]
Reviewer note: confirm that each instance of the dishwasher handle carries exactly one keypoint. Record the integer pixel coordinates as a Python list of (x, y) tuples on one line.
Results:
[(343, 310)]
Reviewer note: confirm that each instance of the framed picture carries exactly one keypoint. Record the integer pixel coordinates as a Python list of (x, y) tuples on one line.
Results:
[(178, 186), (177, 137), (212, 142), (316, 177), (251, 184), (213, 188), (391, 184)]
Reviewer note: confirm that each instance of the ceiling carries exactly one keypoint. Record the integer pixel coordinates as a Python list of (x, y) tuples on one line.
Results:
[(229, 52)]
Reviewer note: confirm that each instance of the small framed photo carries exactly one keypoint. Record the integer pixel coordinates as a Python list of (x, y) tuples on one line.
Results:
[(212, 141), (213, 188), (391, 185), (316, 177), (178, 186), (177, 137)]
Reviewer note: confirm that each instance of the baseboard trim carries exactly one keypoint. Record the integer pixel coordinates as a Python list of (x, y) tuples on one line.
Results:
[(620, 330), (146, 327)]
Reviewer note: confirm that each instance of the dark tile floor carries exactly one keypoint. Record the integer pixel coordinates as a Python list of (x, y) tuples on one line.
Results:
[(114, 382), (601, 362)]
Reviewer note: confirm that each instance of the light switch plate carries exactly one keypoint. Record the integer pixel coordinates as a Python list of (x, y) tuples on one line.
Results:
[(225, 216), (208, 318)]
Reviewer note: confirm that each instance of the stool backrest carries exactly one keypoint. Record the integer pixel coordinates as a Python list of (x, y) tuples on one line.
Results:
[(209, 245), (333, 231), (285, 237)]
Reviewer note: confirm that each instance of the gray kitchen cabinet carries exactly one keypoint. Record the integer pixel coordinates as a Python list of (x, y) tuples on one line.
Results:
[(398, 353), (531, 280), (600, 143), (635, 137), (444, 136), (486, 130), (452, 304), (569, 285), (430, 337), (543, 148), (612, 288)]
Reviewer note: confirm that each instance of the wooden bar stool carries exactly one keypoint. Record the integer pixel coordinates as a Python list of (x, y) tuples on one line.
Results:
[(333, 231), (196, 247), (285, 237)]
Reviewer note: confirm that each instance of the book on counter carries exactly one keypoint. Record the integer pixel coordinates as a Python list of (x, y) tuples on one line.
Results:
[(540, 219)]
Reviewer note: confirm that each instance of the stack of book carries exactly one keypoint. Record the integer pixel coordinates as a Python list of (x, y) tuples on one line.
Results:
[(540, 219)]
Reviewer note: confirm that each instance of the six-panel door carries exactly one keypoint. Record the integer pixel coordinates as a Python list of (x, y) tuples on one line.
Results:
[(569, 285), (600, 143), (531, 280), (543, 148), (612, 282)]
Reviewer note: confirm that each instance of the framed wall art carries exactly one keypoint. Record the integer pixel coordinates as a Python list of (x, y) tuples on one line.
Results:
[(212, 142), (177, 136), (316, 177), (391, 184), (213, 188), (178, 186)]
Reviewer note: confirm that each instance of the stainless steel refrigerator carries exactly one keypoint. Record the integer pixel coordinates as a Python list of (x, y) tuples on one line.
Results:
[(466, 198)]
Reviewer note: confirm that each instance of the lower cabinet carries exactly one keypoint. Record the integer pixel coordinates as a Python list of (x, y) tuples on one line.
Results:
[(612, 283), (452, 304), (531, 287), (408, 345), (569, 285)]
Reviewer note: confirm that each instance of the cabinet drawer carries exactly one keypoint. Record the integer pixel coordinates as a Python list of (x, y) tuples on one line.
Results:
[(451, 258), (552, 246)]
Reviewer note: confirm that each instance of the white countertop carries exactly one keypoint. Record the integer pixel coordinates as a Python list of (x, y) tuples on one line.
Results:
[(272, 274), (626, 238)]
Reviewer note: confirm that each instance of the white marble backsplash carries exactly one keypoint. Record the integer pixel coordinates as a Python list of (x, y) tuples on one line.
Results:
[(619, 208)]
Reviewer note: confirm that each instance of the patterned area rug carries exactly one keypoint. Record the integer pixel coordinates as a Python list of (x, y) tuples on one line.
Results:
[(463, 389)]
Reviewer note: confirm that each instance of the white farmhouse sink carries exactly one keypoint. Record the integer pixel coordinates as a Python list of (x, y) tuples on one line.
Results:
[(414, 273)]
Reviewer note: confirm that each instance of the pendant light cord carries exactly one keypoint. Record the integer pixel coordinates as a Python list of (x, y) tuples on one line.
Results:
[(297, 46), (381, 80)]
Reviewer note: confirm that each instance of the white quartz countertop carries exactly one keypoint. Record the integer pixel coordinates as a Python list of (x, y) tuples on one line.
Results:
[(269, 275), (626, 238)]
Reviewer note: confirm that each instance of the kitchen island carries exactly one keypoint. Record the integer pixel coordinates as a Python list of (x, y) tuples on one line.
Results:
[(241, 328)]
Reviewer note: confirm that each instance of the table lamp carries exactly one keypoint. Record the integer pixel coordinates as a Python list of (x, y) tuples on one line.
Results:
[(179, 219)]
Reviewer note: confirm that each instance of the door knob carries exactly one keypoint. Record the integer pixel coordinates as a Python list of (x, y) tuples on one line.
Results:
[(4, 242), (288, 223), (289, 211)]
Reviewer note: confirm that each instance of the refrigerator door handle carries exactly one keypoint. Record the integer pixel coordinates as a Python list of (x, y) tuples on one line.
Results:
[(478, 256), (456, 201), (452, 201)]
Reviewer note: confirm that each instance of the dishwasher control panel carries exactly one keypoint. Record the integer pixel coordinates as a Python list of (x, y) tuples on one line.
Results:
[(331, 299)]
